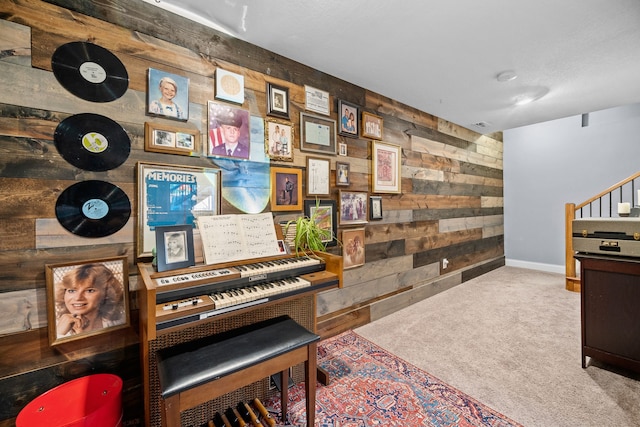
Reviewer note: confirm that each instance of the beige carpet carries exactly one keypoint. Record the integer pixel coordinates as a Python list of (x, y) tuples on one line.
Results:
[(511, 339)]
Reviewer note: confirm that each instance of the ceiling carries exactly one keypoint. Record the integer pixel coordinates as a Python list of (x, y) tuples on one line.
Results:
[(443, 57)]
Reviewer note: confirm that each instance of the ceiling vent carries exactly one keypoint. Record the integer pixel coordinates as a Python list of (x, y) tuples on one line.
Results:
[(481, 125)]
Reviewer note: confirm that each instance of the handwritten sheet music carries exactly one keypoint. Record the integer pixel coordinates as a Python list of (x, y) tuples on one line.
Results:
[(234, 237)]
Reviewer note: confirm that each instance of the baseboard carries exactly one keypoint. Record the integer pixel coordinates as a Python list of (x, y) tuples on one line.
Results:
[(551, 268)]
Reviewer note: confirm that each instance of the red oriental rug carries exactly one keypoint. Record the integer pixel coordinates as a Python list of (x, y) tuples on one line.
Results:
[(372, 387)]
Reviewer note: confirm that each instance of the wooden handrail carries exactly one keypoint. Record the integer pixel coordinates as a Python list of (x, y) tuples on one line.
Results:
[(607, 191)]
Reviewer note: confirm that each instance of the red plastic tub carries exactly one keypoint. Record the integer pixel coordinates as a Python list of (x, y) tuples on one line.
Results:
[(91, 401)]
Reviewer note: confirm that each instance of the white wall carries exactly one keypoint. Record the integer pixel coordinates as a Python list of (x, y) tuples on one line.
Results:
[(549, 164)]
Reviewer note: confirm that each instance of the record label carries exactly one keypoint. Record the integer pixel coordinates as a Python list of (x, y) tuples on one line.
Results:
[(93, 208), (95, 142), (93, 72)]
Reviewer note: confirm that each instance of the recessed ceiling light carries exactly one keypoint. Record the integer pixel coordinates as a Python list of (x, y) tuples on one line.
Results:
[(507, 76)]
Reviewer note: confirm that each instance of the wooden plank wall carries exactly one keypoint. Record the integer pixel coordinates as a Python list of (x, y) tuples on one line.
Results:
[(450, 207)]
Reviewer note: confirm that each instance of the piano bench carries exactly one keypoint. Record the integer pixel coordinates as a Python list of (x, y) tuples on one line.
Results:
[(198, 371)]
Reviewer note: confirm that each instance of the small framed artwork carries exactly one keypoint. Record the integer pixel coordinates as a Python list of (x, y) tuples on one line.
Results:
[(229, 86), (354, 207), (342, 174), (375, 207), (278, 140), (342, 149), (386, 167), (348, 119), (168, 95), (161, 138), (326, 217), (317, 134), (286, 189), (277, 101), (316, 100), (174, 247), (318, 171), (87, 298), (353, 250), (228, 131), (371, 126)]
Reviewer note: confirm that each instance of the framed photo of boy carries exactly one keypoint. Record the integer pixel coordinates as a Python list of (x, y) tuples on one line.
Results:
[(161, 138), (174, 247), (371, 126), (386, 167), (277, 101), (354, 207), (326, 217), (279, 140), (286, 189), (168, 95), (87, 298), (353, 250), (348, 119), (228, 131)]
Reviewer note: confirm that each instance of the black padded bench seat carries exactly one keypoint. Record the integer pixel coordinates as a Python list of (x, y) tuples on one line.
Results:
[(196, 372)]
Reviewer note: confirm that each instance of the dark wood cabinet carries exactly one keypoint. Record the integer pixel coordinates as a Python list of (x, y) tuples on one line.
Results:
[(610, 306)]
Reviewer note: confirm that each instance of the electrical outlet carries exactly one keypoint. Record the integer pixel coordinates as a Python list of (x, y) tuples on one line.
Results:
[(445, 263)]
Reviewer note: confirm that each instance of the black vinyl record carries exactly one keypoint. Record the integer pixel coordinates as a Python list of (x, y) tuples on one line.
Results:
[(92, 142), (90, 71), (93, 208)]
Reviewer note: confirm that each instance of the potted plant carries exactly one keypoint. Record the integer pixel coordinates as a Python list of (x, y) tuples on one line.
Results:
[(309, 236)]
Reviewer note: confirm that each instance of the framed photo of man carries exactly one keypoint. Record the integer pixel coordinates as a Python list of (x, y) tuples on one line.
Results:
[(286, 189), (228, 131), (168, 95), (174, 247)]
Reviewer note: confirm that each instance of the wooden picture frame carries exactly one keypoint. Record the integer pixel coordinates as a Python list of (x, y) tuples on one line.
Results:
[(371, 126), (87, 298), (228, 129), (327, 218), (316, 100), (277, 101), (173, 195), (353, 248), (229, 86), (318, 172), (354, 207), (342, 149), (174, 247), (348, 116), (385, 167), (317, 134), (278, 140), (375, 208), (343, 170), (285, 196), (167, 95), (161, 138)]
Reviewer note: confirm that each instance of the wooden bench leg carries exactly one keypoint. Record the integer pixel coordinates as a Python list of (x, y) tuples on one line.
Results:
[(171, 408), (310, 369), (284, 395)]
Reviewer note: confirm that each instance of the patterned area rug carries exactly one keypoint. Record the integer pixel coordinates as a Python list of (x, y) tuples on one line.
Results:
[(371, 387)]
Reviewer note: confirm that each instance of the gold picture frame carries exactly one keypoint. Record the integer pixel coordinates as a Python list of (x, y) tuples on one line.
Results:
[(162, 138), (286, 189), (371, 126), (385, 167), (278, 139), (353, 249)]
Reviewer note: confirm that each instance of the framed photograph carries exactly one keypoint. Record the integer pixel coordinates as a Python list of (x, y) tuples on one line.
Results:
[(353, 248), (229, 86), (375, 207), (317, 134), (87, 298), (354, 207), (277, 101), (228, 131), (342, 149), (326, 217), (168, 95), (348, 114), (286, 189), (386, 167), (174, 247), (342, 174), (278, 140), (316, 100), (161, 138), (173, 195), (371, 126), (318, 171)]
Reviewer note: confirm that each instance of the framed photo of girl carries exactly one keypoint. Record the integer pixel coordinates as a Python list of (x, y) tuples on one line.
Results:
[(87, 298), (174, 247), (168, 95), (348, 119), (279, 140)]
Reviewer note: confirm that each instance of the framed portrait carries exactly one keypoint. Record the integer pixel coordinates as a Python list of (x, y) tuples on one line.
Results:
[(161, 138), (229, 86), (318, 171), (168, 95), (173, 195), (174, 247), (354, 207), (342, 174), (317, 134), (228, 131), (375, 207), (342, 149), (316, 100), (371, 126), (286, 189), (326, 217), (277, 101), (385, 167), (353, 250), (87, 298), (348, 114), (278, 139)]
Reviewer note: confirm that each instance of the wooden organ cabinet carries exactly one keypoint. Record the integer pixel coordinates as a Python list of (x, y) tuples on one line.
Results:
[(179, 306)]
